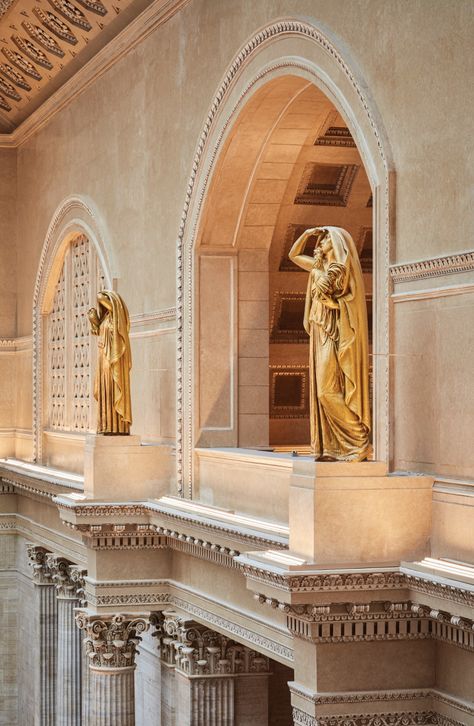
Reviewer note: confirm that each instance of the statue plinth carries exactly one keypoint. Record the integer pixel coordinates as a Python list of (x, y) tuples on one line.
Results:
[(120, 468), (356, 513)]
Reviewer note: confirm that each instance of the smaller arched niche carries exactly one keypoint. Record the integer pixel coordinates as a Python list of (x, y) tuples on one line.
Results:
[(73, 268), (290, 163)]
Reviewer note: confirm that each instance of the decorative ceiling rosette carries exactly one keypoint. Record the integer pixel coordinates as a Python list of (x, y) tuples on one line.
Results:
[(32, 51), (14, 76), (21, 63), (72, 13), (55, 25), (43, 38)]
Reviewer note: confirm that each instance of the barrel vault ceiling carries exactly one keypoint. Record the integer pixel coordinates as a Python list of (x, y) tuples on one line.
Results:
[(43, 43)]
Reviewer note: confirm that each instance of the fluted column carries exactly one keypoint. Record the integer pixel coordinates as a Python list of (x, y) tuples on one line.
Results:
[(111, 644), (69, 587), (44, 651), (217, 682)]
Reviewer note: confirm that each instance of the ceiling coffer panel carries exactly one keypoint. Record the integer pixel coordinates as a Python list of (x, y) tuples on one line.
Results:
[(44, 43)]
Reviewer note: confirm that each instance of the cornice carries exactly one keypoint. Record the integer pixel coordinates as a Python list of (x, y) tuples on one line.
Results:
[(159, 12), (433, 267)]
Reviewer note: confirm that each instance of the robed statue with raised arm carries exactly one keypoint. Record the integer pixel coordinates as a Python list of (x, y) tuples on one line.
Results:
[(111, 323), (335, 319)]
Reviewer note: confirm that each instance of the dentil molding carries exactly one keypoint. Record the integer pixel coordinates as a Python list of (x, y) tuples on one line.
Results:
[(433, 267)]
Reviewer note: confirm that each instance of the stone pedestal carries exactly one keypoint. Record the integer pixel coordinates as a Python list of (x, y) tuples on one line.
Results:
[(354, 513), (119, 468), (44, 651), (110, 645)]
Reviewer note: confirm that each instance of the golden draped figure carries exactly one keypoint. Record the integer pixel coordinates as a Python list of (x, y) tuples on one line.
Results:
[(335, 319), (111, 323)]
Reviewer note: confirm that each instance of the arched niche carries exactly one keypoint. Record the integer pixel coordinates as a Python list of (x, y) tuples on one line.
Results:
[(223, 258), (76, 222)]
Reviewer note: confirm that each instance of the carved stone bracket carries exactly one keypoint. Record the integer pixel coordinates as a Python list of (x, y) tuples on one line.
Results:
[(197, 651), (111, 642)]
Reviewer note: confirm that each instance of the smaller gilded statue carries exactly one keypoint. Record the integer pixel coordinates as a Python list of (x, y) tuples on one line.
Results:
[(335, 319), (111, 323)]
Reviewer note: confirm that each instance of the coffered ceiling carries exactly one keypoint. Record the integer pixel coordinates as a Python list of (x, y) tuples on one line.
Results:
[(43, 43)]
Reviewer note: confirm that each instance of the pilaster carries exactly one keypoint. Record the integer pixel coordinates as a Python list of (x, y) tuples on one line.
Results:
[(45, 646), (69, 582), (111, 646)]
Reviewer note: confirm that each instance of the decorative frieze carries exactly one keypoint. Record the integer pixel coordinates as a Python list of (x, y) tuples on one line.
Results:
[(433, 267), (111, 642)]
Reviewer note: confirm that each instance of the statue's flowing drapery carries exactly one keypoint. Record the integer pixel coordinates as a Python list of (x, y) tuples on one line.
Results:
[(335, 319), (111, 323)]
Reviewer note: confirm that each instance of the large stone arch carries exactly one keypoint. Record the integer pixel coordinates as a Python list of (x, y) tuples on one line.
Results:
[(299, 48), (74, 215)]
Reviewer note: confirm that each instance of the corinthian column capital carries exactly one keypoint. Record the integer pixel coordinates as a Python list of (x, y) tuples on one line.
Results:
[(68, 578), (37, 556), (111, 642)]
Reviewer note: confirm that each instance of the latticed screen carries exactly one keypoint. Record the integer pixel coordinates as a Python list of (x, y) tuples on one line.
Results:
[(70, 366)]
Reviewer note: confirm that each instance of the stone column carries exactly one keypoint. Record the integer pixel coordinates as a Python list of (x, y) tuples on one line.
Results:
[(217, 682), (111, 644), (44, 651), (69, 588)]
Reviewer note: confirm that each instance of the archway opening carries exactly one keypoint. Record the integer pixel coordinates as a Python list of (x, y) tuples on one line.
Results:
[(289, 163)]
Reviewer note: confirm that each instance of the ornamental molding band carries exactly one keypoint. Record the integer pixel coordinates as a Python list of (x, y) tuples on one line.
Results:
[(111, 642), (197, 651), (208, 149), (433, 267), (377, 620), (403, 718)]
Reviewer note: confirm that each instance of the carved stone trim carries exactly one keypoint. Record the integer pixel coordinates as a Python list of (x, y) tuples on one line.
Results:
[(359, 696), (111, 642), (300, 718), (185, 250), (403, 718), (433, 267)]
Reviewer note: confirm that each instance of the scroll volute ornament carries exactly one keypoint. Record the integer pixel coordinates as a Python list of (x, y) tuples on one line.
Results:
[(110, 321), (111, 643), (335, 319)]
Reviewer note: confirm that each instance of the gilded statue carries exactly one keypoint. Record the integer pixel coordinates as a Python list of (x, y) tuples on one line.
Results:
[(111, 323), (335, 319)]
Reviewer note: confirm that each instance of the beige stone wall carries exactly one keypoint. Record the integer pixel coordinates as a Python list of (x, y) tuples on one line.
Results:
[(127, 144), (8, 262)]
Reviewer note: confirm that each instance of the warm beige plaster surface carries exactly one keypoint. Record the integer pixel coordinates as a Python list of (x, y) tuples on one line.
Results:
[(8, 192), (127, 144)]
